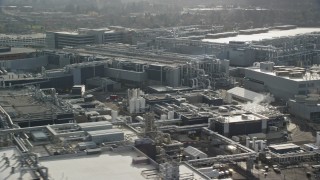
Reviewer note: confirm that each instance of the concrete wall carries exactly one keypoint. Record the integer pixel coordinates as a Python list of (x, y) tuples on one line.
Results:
[(25, 64), (302, 110)]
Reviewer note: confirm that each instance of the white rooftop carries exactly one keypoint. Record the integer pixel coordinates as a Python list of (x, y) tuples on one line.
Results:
[(268, 35), (305, 77), (242, 118), (108, 165), (245, 94)]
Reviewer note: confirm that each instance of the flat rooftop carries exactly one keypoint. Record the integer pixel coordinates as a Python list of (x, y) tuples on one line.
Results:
[(242, 118), (20, 104), (261, 36), (245, 94), (109, 165), (305, 77), (22, 36)]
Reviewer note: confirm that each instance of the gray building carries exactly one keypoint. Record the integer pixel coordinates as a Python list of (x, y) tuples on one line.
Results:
[(305, 107), (57, 40), (282, 81), (109, 135), (85, 36)]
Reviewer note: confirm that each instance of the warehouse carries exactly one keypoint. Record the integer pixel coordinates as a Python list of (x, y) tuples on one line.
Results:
[(305, 107)]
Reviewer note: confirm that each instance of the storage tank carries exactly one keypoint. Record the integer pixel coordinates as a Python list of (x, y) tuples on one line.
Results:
[(137, 105), (163, 117), (142, 103), (170, 115), (231, 148), (114, 115), (139, 119), (135, 93), (129, 93), (132, 105)]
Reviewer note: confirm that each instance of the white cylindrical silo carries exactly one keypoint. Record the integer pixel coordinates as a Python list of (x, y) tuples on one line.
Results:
[(254, 143), (142, 103), (129, 94), (135, 93), (138, 93), (247, 142), (137, 105), (132, 105), (318, 139), (114, 115)]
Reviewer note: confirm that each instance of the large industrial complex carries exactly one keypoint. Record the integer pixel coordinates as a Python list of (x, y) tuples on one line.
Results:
[(193, 102)]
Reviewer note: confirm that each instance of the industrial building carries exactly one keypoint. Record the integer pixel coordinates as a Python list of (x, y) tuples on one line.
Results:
[(46, 108), (28, 40), (279, 44), (12, 58), (305, 107), (281, 81), (84, 36), (155, 114), (232, 122)]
